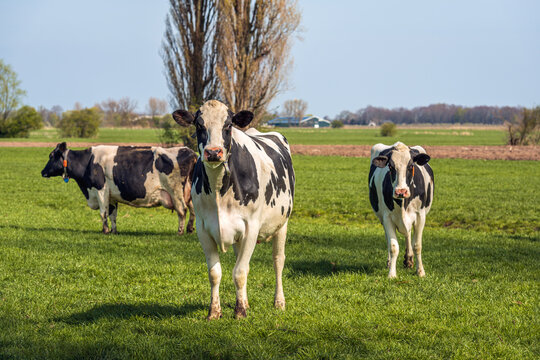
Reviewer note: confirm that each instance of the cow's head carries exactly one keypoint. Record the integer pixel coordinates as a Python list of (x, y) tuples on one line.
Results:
[(213, 122), (55, 166), (400, 160)]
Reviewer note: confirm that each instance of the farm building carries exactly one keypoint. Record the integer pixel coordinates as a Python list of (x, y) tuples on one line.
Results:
[(307, 121)]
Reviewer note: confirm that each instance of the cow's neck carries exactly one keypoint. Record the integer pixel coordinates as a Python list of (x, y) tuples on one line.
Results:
[(77, 163)]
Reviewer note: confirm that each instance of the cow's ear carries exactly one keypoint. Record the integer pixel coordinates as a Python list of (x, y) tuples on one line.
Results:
[(242, 118), (183, 117), (380, 161), (421, 159), (62, 147)]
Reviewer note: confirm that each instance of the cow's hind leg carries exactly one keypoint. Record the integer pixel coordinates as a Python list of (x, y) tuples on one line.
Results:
[(393, 246), (113, 212), (191, 219), (241, 271), (417, 243), (181, 221), (408, 260), (214, 274), (278, 253)]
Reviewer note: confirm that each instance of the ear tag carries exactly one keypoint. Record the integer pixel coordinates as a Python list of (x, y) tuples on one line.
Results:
[(65, 163), (413, 171), (66, 179)]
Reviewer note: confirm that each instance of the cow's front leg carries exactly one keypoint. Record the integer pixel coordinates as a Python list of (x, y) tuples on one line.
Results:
[(393, 246), (241, 271), (417, 243), (214, 273), (278, 253), (408, 261), (113, 212), (103, 201)]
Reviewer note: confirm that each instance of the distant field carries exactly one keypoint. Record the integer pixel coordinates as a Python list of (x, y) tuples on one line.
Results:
[(362, 136), (69, 292)]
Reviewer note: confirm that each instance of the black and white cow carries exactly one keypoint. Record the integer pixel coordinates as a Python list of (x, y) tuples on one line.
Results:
[(136, 176), (243, 189), (401, 194)]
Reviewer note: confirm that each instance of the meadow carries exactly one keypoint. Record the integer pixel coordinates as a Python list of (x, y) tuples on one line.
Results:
[(67, 291), (305, 136)]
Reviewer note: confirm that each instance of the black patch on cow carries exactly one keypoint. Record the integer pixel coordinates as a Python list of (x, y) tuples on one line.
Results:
[(282, 210), (289, 211), (131, 168), (388, 190), (242, 175), (372, 169), (226, 133), (428, 195), (81, 168), (430, 172), (416, 186), (373, 198), (282, 164), (200, 179), (201, 131), (268, 192), (164, 164)]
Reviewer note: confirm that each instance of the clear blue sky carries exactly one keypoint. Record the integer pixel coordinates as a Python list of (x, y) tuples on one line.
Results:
[(353, 53)]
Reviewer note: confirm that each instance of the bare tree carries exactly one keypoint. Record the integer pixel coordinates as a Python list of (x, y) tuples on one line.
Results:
[(118, 112), (126, 108), (189, 52), (109, 108), (255, 38), (295, 109), (156, 107)]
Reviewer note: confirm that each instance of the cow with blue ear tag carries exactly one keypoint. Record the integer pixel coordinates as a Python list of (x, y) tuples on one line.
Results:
[(243, 190)]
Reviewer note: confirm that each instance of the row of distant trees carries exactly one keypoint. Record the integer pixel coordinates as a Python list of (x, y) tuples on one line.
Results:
[(432, 114)]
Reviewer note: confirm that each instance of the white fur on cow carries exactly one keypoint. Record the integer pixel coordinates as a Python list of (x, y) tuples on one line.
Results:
[(136, 176), (243, 189), (401, 193)]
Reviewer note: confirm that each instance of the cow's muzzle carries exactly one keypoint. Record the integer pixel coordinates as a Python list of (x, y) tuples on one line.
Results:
[(401, 193), (44, 174), (214, 154)]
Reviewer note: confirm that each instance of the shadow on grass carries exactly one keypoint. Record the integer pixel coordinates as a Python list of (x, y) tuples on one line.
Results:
[(92, 232), (126, 311), (326, 268)]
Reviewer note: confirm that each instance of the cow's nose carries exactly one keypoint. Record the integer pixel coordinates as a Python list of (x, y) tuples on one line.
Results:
[(401, 193), (213, 154)]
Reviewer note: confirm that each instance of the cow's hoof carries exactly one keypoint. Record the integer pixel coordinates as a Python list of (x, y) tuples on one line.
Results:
[(214, 313), (114, 232), (180, 233), (240, 310), (106, 231), (189, 230), (388, 264), (392, 276), (408, 262), (279, 304), (421, 272)]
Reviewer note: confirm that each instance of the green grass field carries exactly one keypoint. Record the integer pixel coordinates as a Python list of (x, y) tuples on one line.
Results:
[(363, 136), (69, 292)]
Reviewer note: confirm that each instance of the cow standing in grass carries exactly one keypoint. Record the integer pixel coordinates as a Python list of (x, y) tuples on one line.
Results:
[(243, 189), (136, 176), (401, 194)]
